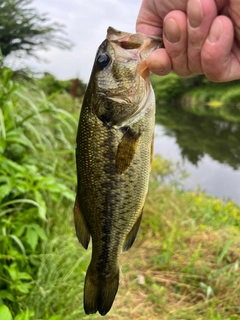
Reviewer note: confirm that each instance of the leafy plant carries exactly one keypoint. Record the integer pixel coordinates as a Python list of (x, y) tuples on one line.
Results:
[(166, 88), (50, 85), (32, 132)]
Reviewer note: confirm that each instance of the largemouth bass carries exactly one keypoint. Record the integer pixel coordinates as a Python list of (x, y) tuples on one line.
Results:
[(113, 155)]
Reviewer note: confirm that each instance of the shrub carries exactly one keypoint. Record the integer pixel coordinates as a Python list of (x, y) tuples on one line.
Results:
[(166, 88), (32, 141)]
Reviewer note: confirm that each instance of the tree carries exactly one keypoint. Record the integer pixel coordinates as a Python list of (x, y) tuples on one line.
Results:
[(24, 30), (49, 84)]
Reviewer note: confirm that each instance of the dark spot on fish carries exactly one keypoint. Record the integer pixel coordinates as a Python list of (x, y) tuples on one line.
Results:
[(106, 113), (124, 129), (105, 118)]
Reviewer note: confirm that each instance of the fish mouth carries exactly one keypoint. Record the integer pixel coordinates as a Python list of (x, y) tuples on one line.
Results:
[(124, 39), (133, 46), (136, 47)]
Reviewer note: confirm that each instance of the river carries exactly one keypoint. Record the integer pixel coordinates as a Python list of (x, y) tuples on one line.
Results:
[(208, 149)]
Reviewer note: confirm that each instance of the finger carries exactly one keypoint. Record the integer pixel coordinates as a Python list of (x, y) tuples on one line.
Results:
[(221, 4), (234, 12), (159, 62), (220, 56), (201, 14), (152, 13), (148, 21), (175, 41)]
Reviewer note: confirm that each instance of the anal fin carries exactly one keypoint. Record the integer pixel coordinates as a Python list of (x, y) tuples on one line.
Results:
[(82, 232), (131, 237)]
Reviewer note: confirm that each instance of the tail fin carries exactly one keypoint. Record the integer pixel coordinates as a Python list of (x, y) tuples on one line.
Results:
[(99, 293)]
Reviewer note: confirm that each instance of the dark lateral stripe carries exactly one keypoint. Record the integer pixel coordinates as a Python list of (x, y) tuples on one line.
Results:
[(108, 204)]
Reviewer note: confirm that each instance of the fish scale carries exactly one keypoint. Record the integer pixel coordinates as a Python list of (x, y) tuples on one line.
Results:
[(113, 156)]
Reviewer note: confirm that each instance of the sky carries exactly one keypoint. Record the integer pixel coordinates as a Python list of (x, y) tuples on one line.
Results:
[(86, 23)]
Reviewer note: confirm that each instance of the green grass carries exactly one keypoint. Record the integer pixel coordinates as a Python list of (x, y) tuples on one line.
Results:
[(198, 95), (219, 100), (188, 252), (58, 288), (37, 171), (184, 264)]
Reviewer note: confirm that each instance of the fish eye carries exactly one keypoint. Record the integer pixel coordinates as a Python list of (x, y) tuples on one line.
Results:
[(103, 60)]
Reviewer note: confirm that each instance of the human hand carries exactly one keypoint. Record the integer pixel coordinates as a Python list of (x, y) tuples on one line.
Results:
[(200, 36)]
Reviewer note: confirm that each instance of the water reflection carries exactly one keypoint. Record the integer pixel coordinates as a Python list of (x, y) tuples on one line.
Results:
[(209, 146), (199, 135)]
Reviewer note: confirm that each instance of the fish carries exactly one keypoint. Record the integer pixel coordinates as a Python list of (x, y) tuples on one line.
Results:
[(113, 158)]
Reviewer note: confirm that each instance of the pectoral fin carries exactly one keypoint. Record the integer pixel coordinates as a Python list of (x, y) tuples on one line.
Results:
[(80, 226), (130, 238), (126, 150)]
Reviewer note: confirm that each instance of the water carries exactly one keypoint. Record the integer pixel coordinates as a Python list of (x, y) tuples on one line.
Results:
[(208, 148)]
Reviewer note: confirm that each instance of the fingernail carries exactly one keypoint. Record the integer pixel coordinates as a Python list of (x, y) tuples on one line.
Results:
[(215, 31), (171, 30), (194, 11)]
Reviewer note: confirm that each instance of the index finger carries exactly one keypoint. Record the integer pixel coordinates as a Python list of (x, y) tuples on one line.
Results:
[(148, 21)]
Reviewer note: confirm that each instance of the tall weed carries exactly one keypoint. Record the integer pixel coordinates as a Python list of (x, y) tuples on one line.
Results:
[(34, 149)]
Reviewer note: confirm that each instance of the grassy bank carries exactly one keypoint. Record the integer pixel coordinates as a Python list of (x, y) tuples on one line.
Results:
[(37, 175), (184, 264), (199, 95)]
